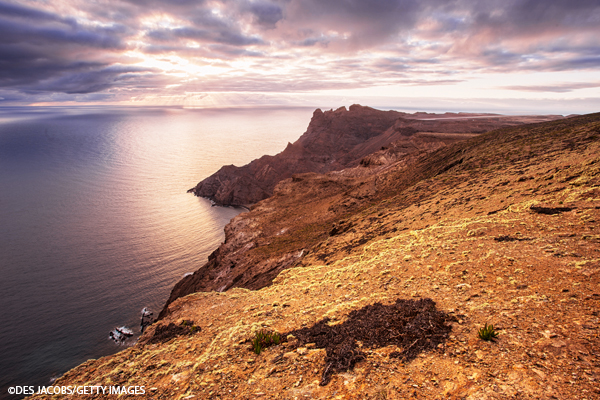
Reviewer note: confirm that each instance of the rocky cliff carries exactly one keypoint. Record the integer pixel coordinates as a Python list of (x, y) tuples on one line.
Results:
[(382, 275), (339, 139)]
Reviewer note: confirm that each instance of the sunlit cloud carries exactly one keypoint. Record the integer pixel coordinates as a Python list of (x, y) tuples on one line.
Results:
[(217, 51)]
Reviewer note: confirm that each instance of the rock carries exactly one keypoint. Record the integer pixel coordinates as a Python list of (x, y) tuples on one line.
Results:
[(302, 351), (339, 139), (334, 140)]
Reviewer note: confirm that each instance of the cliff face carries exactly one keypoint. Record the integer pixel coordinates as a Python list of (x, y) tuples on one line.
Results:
[(329, 136), (501, 228), (339, 139)]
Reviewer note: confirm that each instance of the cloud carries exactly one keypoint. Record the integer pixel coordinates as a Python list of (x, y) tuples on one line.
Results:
[(93, 80), (38, 46), (225, 36), (16, 10), (556, 88), (77, 47), (266, 14), (526, 34)]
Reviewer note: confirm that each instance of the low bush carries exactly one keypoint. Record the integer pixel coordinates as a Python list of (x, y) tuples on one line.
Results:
[(488, 332), (264, 339)]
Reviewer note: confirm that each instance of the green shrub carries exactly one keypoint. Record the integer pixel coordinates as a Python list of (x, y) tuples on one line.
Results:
[(488, 332), (264, 339)]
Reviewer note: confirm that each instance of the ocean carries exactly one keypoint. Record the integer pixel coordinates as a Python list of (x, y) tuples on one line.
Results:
[(96, 224)]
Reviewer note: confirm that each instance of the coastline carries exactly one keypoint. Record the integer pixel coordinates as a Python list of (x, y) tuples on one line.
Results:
[(110, 229), (215, 204)]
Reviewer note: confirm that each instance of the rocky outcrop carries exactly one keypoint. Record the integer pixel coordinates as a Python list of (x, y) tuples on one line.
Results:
[(339, 139), (396, 267), (330, 136)]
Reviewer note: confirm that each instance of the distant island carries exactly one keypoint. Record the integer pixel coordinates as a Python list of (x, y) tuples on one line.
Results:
[(377, 252)]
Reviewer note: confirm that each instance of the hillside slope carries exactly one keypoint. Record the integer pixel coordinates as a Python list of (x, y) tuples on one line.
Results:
[(501, 228)]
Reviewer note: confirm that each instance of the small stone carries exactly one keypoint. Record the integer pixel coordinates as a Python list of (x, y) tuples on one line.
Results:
[(541, 374)]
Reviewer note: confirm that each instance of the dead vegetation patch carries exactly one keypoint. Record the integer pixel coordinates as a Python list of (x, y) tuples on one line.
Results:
[(414, 326)]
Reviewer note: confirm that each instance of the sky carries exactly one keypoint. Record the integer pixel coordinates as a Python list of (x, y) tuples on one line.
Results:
[(516, 56)]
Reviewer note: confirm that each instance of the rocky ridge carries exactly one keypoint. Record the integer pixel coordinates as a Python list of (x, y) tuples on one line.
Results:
[(500, 228), (339, 139)]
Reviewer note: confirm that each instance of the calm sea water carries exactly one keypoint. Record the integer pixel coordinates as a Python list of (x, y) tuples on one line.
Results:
[(95, 221)]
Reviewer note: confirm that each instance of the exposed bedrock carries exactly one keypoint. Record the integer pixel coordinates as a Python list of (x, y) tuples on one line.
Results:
[(339, 139)]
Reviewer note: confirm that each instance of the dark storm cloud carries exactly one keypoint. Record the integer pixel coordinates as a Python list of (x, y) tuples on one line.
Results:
[(103, 38), (15, 10)]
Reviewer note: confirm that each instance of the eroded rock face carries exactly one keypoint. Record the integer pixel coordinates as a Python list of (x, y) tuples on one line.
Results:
[(330, 136), (339, 139), (263, 242)]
